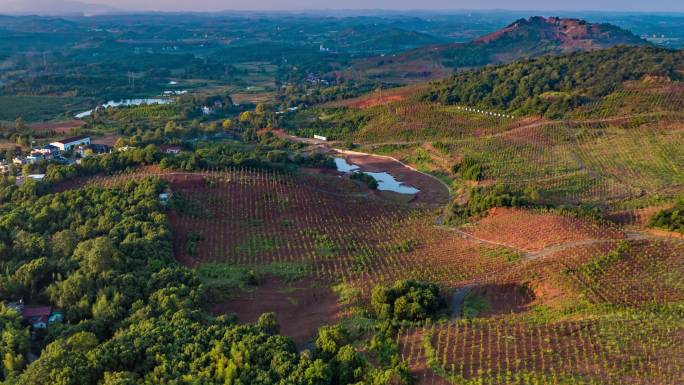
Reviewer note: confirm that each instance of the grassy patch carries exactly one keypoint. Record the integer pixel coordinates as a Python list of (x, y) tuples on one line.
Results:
[(40, 108), (324, 245), (502, 253), (228, 276), (473, 305), (257, 244)]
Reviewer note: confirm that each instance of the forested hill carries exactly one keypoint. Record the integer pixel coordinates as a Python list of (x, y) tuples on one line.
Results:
[(522, 39), (552, 85), (562, 34), (534, 37)]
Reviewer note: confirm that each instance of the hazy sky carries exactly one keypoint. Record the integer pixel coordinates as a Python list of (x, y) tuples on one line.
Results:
[(212, 5)]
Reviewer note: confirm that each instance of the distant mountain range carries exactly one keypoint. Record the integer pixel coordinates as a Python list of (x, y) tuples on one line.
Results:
[(53, 8), (524, 38)]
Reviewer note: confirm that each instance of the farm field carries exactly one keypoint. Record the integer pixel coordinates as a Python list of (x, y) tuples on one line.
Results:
[(248, 217), (572, 288), (328, 232), (604, 351), (568, 162)]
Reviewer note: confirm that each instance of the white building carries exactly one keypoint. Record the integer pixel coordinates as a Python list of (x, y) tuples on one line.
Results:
[(69, 143)]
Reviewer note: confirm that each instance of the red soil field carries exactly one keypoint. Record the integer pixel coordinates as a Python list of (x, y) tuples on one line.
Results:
[(375, 101), (544, 275), (58, 127), (108, 140), (260, 217), (504, 299), (301, 307), (380, 98), (533, 231)]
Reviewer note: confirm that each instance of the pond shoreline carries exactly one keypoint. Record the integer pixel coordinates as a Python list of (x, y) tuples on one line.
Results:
[(433, 192), (386, 181)]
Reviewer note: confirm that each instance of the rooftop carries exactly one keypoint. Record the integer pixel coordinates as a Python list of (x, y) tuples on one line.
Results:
[(42, 311), (73, 139)]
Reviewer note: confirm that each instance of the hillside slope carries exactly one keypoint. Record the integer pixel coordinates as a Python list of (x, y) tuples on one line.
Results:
[(554, 85), (534, 37)]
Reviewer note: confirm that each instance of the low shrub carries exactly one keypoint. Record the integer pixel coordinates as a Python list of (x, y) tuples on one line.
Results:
[(407, 300)]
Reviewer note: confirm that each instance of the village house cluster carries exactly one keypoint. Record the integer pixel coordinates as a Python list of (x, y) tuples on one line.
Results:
[(65, 151), (62, 151)]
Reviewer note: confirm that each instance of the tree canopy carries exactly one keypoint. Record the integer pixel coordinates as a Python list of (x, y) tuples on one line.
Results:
[(552, 85)]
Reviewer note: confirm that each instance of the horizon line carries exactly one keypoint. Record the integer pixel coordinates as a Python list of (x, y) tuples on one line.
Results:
[(116, 11)]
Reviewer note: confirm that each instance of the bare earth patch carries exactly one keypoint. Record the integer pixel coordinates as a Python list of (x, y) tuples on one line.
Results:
[(58, 127), (504, 299), (301, 307)]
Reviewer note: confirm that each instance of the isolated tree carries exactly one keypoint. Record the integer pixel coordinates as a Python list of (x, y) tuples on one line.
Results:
[(269, 323), (19, 124), (246, 117)]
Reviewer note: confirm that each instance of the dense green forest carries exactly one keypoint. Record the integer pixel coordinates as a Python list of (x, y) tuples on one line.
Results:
[(552, 85)]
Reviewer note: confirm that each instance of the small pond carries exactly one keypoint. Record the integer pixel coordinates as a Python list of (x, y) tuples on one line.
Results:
[(386, 182), (125, 103), (343, 166)]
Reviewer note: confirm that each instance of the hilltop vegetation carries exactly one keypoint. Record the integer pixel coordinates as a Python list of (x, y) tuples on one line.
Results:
[(553, 85)]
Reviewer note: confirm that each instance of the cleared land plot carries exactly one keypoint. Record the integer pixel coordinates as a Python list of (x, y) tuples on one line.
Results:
[(57, 127), (301, 307)]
